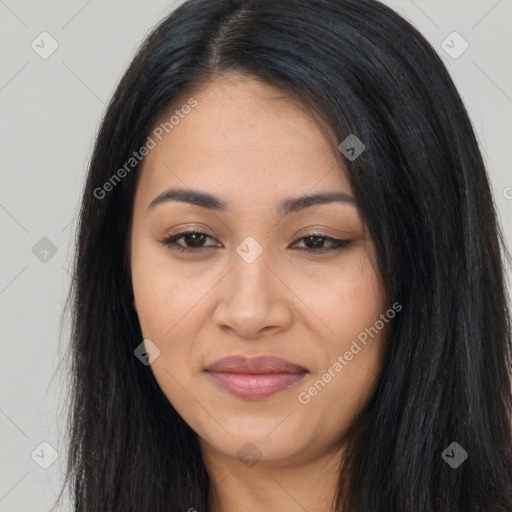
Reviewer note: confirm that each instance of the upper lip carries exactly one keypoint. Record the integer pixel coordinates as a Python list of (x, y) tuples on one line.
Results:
[(254, 365)]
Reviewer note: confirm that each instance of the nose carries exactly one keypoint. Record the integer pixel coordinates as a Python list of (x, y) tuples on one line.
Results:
[(253, 301)]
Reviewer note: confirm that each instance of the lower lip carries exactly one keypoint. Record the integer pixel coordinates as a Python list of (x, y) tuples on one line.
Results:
[(256, 386)]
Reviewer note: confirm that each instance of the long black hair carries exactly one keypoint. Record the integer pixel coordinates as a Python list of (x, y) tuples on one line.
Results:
[(422, 189)]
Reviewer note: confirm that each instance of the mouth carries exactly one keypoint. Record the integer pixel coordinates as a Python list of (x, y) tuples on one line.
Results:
[(255, 378)]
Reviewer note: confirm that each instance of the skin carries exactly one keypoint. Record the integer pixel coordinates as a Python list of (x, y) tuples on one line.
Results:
[(252, 146)]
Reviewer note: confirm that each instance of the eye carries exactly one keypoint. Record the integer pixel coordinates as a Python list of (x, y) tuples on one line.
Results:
[(314, 242), (195, 242)]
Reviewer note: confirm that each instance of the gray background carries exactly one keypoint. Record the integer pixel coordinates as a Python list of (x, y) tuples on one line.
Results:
[(49, 113)]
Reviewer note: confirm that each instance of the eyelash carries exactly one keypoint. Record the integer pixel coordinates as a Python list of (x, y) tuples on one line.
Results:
[(171, 242)]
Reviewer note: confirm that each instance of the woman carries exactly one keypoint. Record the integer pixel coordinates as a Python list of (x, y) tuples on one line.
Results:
[(289, 289)]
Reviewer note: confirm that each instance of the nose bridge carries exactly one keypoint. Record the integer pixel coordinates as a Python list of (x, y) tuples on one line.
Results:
[(251, 274), (251, 296)]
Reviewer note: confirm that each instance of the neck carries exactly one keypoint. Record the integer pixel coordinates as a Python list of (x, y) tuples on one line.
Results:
[(296, 486)]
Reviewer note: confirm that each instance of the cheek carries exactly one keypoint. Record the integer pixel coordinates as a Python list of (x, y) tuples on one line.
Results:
[(165, 309), (344, 299), (349, 304), (164, 295)]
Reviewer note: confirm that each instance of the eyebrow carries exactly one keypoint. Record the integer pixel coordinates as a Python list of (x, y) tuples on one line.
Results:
[(206, 200)]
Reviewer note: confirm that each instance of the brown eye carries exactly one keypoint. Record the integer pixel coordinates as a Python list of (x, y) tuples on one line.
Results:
[(194, 240), (314, 242)]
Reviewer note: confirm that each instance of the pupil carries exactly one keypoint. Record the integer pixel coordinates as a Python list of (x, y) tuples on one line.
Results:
[(194, 239), (317, 240)]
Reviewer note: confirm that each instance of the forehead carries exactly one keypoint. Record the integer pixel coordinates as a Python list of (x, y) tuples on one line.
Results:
[(242, 135)]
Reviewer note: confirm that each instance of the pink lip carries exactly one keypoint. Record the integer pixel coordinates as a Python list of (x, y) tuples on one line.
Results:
[(255, 378)]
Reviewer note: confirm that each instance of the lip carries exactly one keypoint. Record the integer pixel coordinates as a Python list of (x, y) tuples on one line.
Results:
[(256, 377)]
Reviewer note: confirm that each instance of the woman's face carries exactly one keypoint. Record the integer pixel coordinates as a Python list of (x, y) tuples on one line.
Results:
[(259, 280)]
